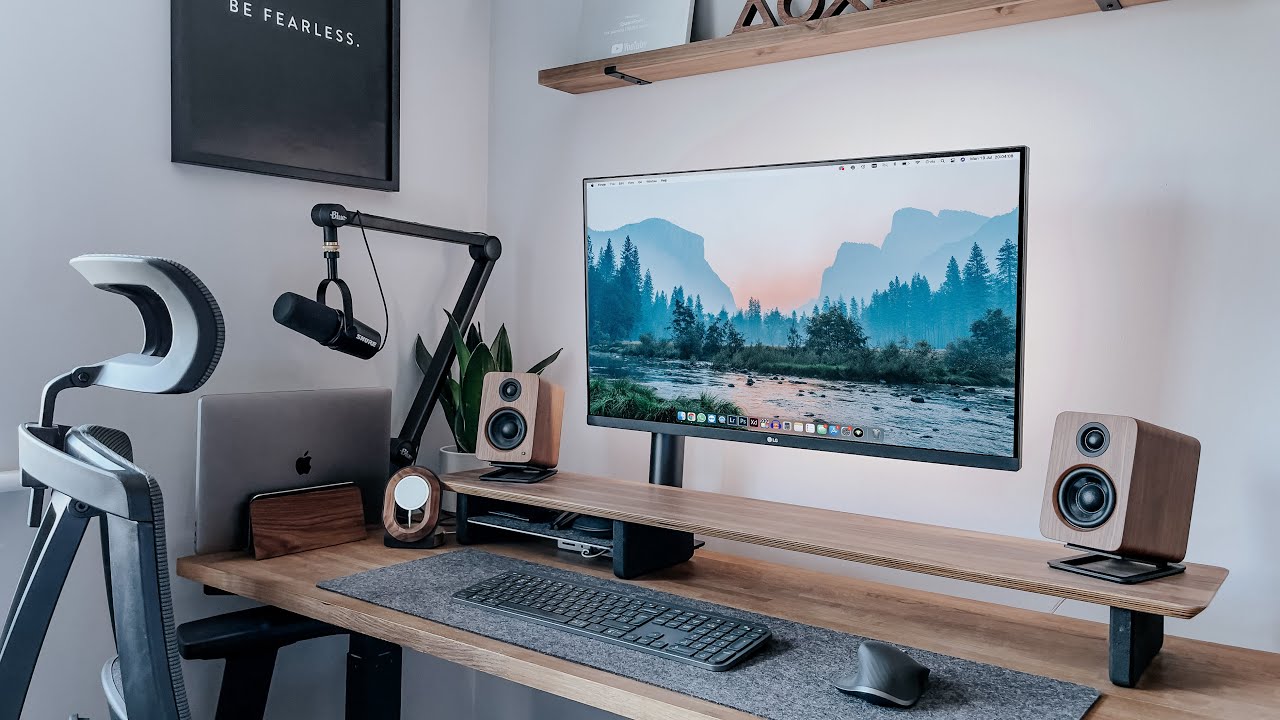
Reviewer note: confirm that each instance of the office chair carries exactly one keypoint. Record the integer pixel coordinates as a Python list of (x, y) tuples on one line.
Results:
[(89, 473)]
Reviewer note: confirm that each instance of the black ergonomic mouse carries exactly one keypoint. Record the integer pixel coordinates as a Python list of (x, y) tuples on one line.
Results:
[(886, 676)]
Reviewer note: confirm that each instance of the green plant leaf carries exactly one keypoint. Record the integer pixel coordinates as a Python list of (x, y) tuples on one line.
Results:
[(421, 355), (453, 393), (473, 336), (459, 346), (459, 436), (449, 404), (502, 361), (472, 388), (537, 369), (449, 400)]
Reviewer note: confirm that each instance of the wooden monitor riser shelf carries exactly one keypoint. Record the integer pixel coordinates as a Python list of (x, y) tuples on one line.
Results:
[(1017, 563), (1191, 680), (915, 20)]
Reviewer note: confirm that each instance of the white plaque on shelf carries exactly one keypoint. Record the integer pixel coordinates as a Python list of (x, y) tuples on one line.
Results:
[(621, 27)]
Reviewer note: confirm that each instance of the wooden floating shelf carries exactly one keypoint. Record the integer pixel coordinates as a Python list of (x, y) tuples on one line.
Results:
[(998, 560), (904, 22)]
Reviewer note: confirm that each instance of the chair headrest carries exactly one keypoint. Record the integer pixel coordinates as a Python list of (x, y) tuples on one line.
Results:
[(183, 324)]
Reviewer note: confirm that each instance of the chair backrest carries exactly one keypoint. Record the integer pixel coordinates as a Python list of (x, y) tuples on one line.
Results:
[(136, 568), (89, 473)]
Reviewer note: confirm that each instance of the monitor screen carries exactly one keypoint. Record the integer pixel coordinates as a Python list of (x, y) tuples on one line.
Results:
[(863, 306)]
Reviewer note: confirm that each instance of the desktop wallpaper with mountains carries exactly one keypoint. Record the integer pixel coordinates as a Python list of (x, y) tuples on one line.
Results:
[(869, 311)]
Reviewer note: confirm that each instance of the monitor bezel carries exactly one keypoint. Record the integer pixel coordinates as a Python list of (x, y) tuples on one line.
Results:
[(898, 452)]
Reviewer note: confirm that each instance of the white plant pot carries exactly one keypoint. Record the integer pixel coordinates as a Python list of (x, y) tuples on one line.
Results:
[(452, 461)]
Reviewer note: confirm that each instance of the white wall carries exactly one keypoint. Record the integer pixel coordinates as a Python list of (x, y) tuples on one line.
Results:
[(1151, 250), (84, 167)]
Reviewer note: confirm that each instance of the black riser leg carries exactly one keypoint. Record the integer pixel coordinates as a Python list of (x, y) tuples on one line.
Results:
[(373, 679), (642, 549), (246, 683), (470, 506), (1136, 639)]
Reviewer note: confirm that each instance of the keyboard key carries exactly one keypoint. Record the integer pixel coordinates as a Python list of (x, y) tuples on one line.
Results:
[(631, 638), (535, 612), (722, 657), (682, 650), (703, 656), (659, 644)]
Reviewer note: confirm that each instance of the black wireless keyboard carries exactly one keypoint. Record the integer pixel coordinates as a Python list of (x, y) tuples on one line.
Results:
[(711, 642)]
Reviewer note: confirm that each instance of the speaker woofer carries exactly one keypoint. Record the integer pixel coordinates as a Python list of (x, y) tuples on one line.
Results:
[(1086, 497), (506, 429)]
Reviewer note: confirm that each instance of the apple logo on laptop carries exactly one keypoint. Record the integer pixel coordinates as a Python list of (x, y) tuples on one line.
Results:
[(303, 464)]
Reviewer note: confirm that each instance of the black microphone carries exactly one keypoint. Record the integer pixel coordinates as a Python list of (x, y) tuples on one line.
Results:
[(325, 325)]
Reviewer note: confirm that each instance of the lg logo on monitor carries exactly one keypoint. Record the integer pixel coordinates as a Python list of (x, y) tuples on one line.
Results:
[(771, 439)]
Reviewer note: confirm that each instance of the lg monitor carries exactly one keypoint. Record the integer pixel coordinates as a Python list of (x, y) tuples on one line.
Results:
[(870, 306)]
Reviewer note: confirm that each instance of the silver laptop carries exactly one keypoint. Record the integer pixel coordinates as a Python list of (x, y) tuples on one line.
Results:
[(265, 442)]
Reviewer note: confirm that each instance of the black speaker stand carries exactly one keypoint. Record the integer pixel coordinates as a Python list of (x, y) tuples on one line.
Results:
[(1115, 568), (518, 474)]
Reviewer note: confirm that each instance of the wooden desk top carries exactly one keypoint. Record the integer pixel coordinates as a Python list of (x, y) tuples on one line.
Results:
[(1017, 563), (1188, 680)]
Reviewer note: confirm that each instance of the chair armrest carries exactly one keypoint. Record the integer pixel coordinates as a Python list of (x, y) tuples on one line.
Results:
[(248, 632)]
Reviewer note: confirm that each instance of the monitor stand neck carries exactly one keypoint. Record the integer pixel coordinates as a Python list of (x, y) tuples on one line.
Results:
[(666, 460)]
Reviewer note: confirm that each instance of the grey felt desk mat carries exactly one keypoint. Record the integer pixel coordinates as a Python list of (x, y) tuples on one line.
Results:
[(788, 680)]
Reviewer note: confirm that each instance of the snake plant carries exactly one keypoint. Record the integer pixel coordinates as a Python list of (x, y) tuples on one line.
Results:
[(475, 359)]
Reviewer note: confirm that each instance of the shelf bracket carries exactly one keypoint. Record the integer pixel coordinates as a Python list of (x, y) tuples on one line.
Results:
[(613, 72), (1107, 5), (1135, 640)]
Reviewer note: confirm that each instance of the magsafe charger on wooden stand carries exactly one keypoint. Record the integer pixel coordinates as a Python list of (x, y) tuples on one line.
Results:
[(411, 509)]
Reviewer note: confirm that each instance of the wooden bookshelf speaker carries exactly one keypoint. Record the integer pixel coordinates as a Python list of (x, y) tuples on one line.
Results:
[(1123, 489), (520, 418)]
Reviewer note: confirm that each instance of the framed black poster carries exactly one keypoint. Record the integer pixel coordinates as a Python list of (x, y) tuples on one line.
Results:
[(306, 89)]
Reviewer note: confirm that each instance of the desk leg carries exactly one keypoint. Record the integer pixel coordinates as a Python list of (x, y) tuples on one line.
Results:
[(246, 685), (1136, 639), (373, 679)]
